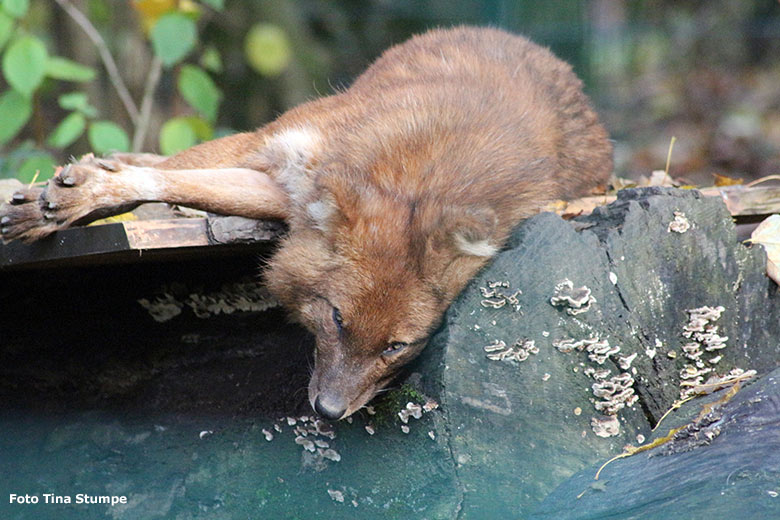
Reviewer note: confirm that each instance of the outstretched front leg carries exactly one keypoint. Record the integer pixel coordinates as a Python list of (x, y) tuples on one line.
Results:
[(94, 188)]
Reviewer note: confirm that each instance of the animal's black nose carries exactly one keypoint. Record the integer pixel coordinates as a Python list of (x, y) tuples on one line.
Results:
[(329, 407)]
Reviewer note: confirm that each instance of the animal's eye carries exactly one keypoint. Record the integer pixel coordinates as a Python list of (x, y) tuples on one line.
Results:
[(394, 348), (337, 319)]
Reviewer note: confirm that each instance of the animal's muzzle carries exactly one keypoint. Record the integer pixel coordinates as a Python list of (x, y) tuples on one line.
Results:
[(330, 407)]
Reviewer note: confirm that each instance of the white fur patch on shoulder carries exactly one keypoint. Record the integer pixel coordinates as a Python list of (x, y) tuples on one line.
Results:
[(476, 247), (297, 143)]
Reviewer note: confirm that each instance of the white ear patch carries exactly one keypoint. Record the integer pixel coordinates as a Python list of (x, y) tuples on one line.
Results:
[(292, 149), (475, 247)]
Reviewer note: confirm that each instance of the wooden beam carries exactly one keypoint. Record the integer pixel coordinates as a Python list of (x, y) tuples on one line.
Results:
[(130, 240), (741, 201)]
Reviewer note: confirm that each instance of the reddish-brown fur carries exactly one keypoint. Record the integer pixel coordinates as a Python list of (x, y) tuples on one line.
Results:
[(396, 191)]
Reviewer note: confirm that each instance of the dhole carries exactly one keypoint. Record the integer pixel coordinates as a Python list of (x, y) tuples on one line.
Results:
[(396, 191)]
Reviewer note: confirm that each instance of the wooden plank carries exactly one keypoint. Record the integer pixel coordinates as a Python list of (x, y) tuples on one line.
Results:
[(163, 234), (126, 241), (63, 245), (741, 201), (748, 200)]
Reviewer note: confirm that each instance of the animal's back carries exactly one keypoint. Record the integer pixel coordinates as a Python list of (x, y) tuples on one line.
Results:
[(473, 116)]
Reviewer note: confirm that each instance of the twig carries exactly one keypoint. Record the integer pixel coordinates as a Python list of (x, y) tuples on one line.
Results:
[(105, 56), (152, 80), (633, 450), (669, 158), (35, 178), (763, 179), (675, 406), (706, 409), (669, 155)]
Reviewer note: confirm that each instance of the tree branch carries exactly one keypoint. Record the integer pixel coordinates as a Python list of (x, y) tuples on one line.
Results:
[(105, 56), (152, 80)]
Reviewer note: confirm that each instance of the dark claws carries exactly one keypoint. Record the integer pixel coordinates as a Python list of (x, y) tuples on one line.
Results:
[(63, 179), (107, 166)]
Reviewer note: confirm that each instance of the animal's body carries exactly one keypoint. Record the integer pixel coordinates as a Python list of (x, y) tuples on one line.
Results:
[(396, 191)]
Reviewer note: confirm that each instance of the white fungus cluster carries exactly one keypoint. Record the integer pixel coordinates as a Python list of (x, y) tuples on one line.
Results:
[(519, 351), (701, 352), (611, 393), (625, 361), (614, 394), (340, 496), (497, 295), (679, 224), (605, 425), (567, 344), (416, 411), (311, 433), (575, 300), (599, 350), (336, 495), (233, 297)]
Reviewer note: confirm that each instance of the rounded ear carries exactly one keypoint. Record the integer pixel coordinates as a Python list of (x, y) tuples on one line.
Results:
[(466, 232), (458, 242), (474, 232)]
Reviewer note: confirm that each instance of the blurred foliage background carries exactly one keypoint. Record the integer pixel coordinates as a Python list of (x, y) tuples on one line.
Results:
[(705, 72)]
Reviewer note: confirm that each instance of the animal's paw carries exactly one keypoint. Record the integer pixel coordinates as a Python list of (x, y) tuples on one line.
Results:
[(77, 193), (22, 218)]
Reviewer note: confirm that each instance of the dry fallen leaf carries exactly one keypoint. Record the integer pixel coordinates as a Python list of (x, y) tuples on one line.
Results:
[(768, 235), (124, 217), (723, 180), (660, 178), (619, 183)]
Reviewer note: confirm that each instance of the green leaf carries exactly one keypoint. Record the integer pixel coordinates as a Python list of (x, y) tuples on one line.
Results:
[(176, 135), (67, 70), (173, 37), (24, 64), (77, 101), (6, 28), (197, 88), (203, 130), (43, 165), (267, 49), (16, 8), (216, 4), (73, 100), (211, 60), (68, 130), (15, 110), (105, 137)]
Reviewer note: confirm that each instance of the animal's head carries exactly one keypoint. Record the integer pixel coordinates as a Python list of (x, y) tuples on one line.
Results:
[(371, 273)]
